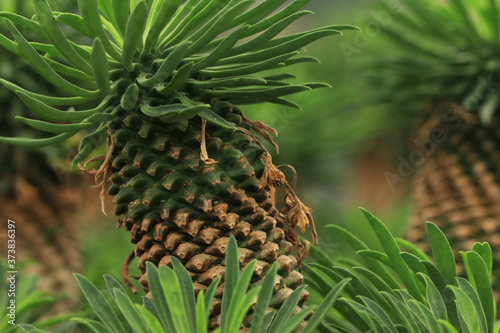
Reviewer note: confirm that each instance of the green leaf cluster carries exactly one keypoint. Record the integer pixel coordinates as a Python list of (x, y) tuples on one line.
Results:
[(166, 58), (21, 73), (31, 303), (401, 289), (438, 50), (174, 307)]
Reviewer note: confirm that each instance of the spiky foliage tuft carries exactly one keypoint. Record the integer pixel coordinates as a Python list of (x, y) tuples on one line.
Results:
[(168, 59), (441, 50), (31, 304), (431, 298)]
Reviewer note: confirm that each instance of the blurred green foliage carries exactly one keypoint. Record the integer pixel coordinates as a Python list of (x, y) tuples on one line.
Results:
[(31, 304), (339, 128)]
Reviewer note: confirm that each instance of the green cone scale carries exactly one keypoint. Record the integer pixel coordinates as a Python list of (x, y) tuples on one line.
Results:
[(160, 84)]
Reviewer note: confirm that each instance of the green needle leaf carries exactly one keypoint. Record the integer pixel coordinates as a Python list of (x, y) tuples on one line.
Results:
[(375, 255), (258, 93), (482, 280), (37, 143), (187, 290), (50, 100), (168, 66), (294, 322), (226, 45), (172, 111), (267, 35), (200, 14), (94, 325), (229, 82), (286, 47), (111, 283), (234, 313), (412, 249), (129, 311), (133, 34), (177, 19), (121, 13), (70, 71), (466, 311), (246, 70), (89, 143), (164, 110), (216, 26), (166, 12), (173, 295), (466, 287), (286, 309), (52, 114), (99, 304), (263, 299), (75, 22), (100, 67), (209, 296), (261, 25), (29, 25), (92, 19), (176, 82), (54, 128), (9, 45), (231, 278), (201, 315), (257, 13), (442, 253), (159, 299), (381, 315), (435, 299), (484, 250), (407, 317), (215, 119), (392, 249), (106, 8), (130, 97)]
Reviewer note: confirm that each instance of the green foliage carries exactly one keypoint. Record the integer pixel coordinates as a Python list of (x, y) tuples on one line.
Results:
[(21, 73), (30, 305), (440, 50), (174, 307), (405, 291), (168, 59)]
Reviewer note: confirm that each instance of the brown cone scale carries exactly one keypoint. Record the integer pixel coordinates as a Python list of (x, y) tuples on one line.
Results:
[(175, 204)]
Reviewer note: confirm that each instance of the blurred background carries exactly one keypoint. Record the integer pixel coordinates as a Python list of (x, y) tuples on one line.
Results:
[(344, 149)]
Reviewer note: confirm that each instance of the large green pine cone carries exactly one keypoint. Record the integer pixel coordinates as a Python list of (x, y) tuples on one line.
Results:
[(458, 187), (176, 205)]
